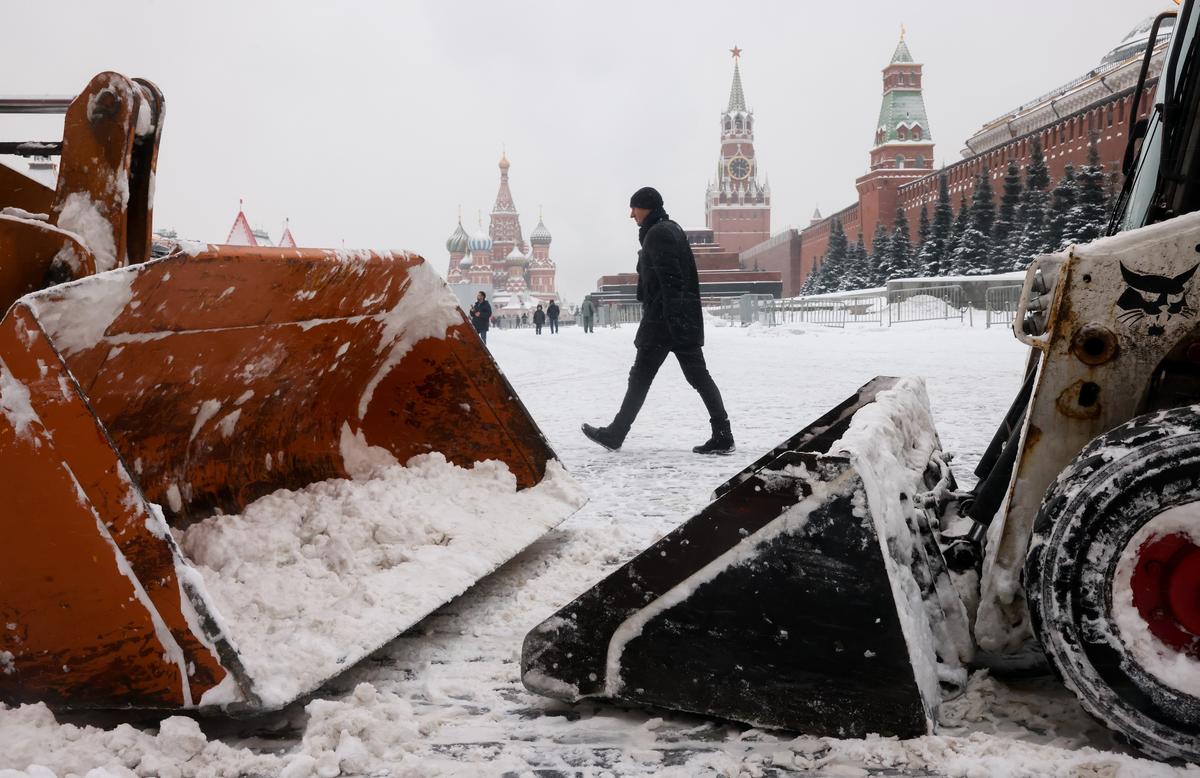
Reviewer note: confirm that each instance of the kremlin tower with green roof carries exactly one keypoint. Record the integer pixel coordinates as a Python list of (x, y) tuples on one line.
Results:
[(902, 136), (903, 144)]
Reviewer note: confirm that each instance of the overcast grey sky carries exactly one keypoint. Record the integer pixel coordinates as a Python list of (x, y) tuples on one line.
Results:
[(370, 123)]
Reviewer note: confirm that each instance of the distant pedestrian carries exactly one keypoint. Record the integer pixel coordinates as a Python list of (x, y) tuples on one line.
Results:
[(539, 318), (587, 312), (669, 290), (552, 316), (481, 315), (524, 320)]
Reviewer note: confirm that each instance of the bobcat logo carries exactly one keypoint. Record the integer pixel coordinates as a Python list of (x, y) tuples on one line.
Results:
[(1156, 298)]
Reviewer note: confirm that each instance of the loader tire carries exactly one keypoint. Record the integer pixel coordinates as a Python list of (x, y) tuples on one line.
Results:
[(1105, 507)]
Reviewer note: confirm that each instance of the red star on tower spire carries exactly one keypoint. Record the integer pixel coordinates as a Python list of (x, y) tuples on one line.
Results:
[(736, 52)]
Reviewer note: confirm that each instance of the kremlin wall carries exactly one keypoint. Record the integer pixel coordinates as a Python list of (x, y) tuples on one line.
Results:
[(901, 175)]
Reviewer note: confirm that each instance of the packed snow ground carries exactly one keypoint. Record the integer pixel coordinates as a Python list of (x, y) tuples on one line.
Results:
[(445, 698)]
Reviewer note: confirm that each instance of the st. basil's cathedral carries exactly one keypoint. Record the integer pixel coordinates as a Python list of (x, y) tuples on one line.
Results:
[(515, 274)]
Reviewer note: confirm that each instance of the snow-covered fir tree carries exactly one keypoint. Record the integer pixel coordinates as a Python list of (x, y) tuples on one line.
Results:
[(934, 256), (806, 288), (1090, 216), (1033, 238), (882, 262), (924, 230), (855, 272), (972, 256), (903, 257), (1063, 198), (827, 276), (960, 225), (1006, 218)]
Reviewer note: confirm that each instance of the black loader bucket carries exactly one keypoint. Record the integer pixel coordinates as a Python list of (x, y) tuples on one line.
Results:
[(810, 595)]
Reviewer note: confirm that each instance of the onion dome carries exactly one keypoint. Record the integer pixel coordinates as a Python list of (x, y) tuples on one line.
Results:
[(480, 241), (515, 257), (457, 243), (540, 235), (465, 264), (503, 161)]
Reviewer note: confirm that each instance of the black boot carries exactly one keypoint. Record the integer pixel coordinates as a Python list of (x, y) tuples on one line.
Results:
[(605, 436), (721, 441)]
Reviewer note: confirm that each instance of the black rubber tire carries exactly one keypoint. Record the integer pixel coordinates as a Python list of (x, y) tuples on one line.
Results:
[(1118, 483)]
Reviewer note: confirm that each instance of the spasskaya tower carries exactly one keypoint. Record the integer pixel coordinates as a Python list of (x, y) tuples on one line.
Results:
[(737, 207)]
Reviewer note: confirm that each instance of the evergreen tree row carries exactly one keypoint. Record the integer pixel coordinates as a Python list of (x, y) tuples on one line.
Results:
[(983, 237)]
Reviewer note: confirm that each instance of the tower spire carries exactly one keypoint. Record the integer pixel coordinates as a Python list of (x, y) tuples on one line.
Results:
[(737, 99)]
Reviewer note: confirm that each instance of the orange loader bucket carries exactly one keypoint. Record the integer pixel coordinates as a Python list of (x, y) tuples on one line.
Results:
[(198, 383)]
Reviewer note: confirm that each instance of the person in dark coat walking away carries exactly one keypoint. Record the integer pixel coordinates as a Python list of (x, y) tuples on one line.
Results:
[(539, 318), (587, 312), (552, 316), (669, 290), (481, 315)]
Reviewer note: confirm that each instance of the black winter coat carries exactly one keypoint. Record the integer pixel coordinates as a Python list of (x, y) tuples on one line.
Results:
[(539, 317), (552, 311), (481, 315), (668, 286)]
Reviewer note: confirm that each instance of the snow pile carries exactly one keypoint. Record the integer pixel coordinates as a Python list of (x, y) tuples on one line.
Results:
[(305, 583), (31, 741), (446, 698), (80, 215), (15, 404), (87, 308)]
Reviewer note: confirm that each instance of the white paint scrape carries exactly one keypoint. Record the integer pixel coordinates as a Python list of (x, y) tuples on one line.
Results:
[(427, 309), (307, 582), (81, 216), (15, 404)]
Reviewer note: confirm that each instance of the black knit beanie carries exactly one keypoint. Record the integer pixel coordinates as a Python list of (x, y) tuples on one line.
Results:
[(646, 197)]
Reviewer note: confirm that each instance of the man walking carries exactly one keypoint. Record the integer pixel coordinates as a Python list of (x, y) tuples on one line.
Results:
[(481, 315), (552, 316), (587, 312), (669, 290)]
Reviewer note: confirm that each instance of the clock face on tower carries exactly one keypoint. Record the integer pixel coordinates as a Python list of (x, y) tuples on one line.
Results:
[(739, 168)]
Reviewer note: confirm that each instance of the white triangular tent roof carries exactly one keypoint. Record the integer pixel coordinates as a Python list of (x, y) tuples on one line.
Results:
[(241, 234)]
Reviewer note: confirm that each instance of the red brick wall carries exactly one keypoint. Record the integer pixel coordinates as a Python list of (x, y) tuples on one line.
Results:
[(1064, 142), (781, 255), (737, 229)]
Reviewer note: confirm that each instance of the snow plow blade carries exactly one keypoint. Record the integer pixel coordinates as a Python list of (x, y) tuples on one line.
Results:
[(140, 402), (807, 596)]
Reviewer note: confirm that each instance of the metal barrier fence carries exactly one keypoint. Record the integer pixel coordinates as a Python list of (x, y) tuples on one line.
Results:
[(616, 314), (747, 309), (928, 304), (874, 307), (831, 313), (1001, 304), (865, 307)]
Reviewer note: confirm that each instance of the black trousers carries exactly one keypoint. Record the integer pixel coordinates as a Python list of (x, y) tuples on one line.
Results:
[(645, 366)]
